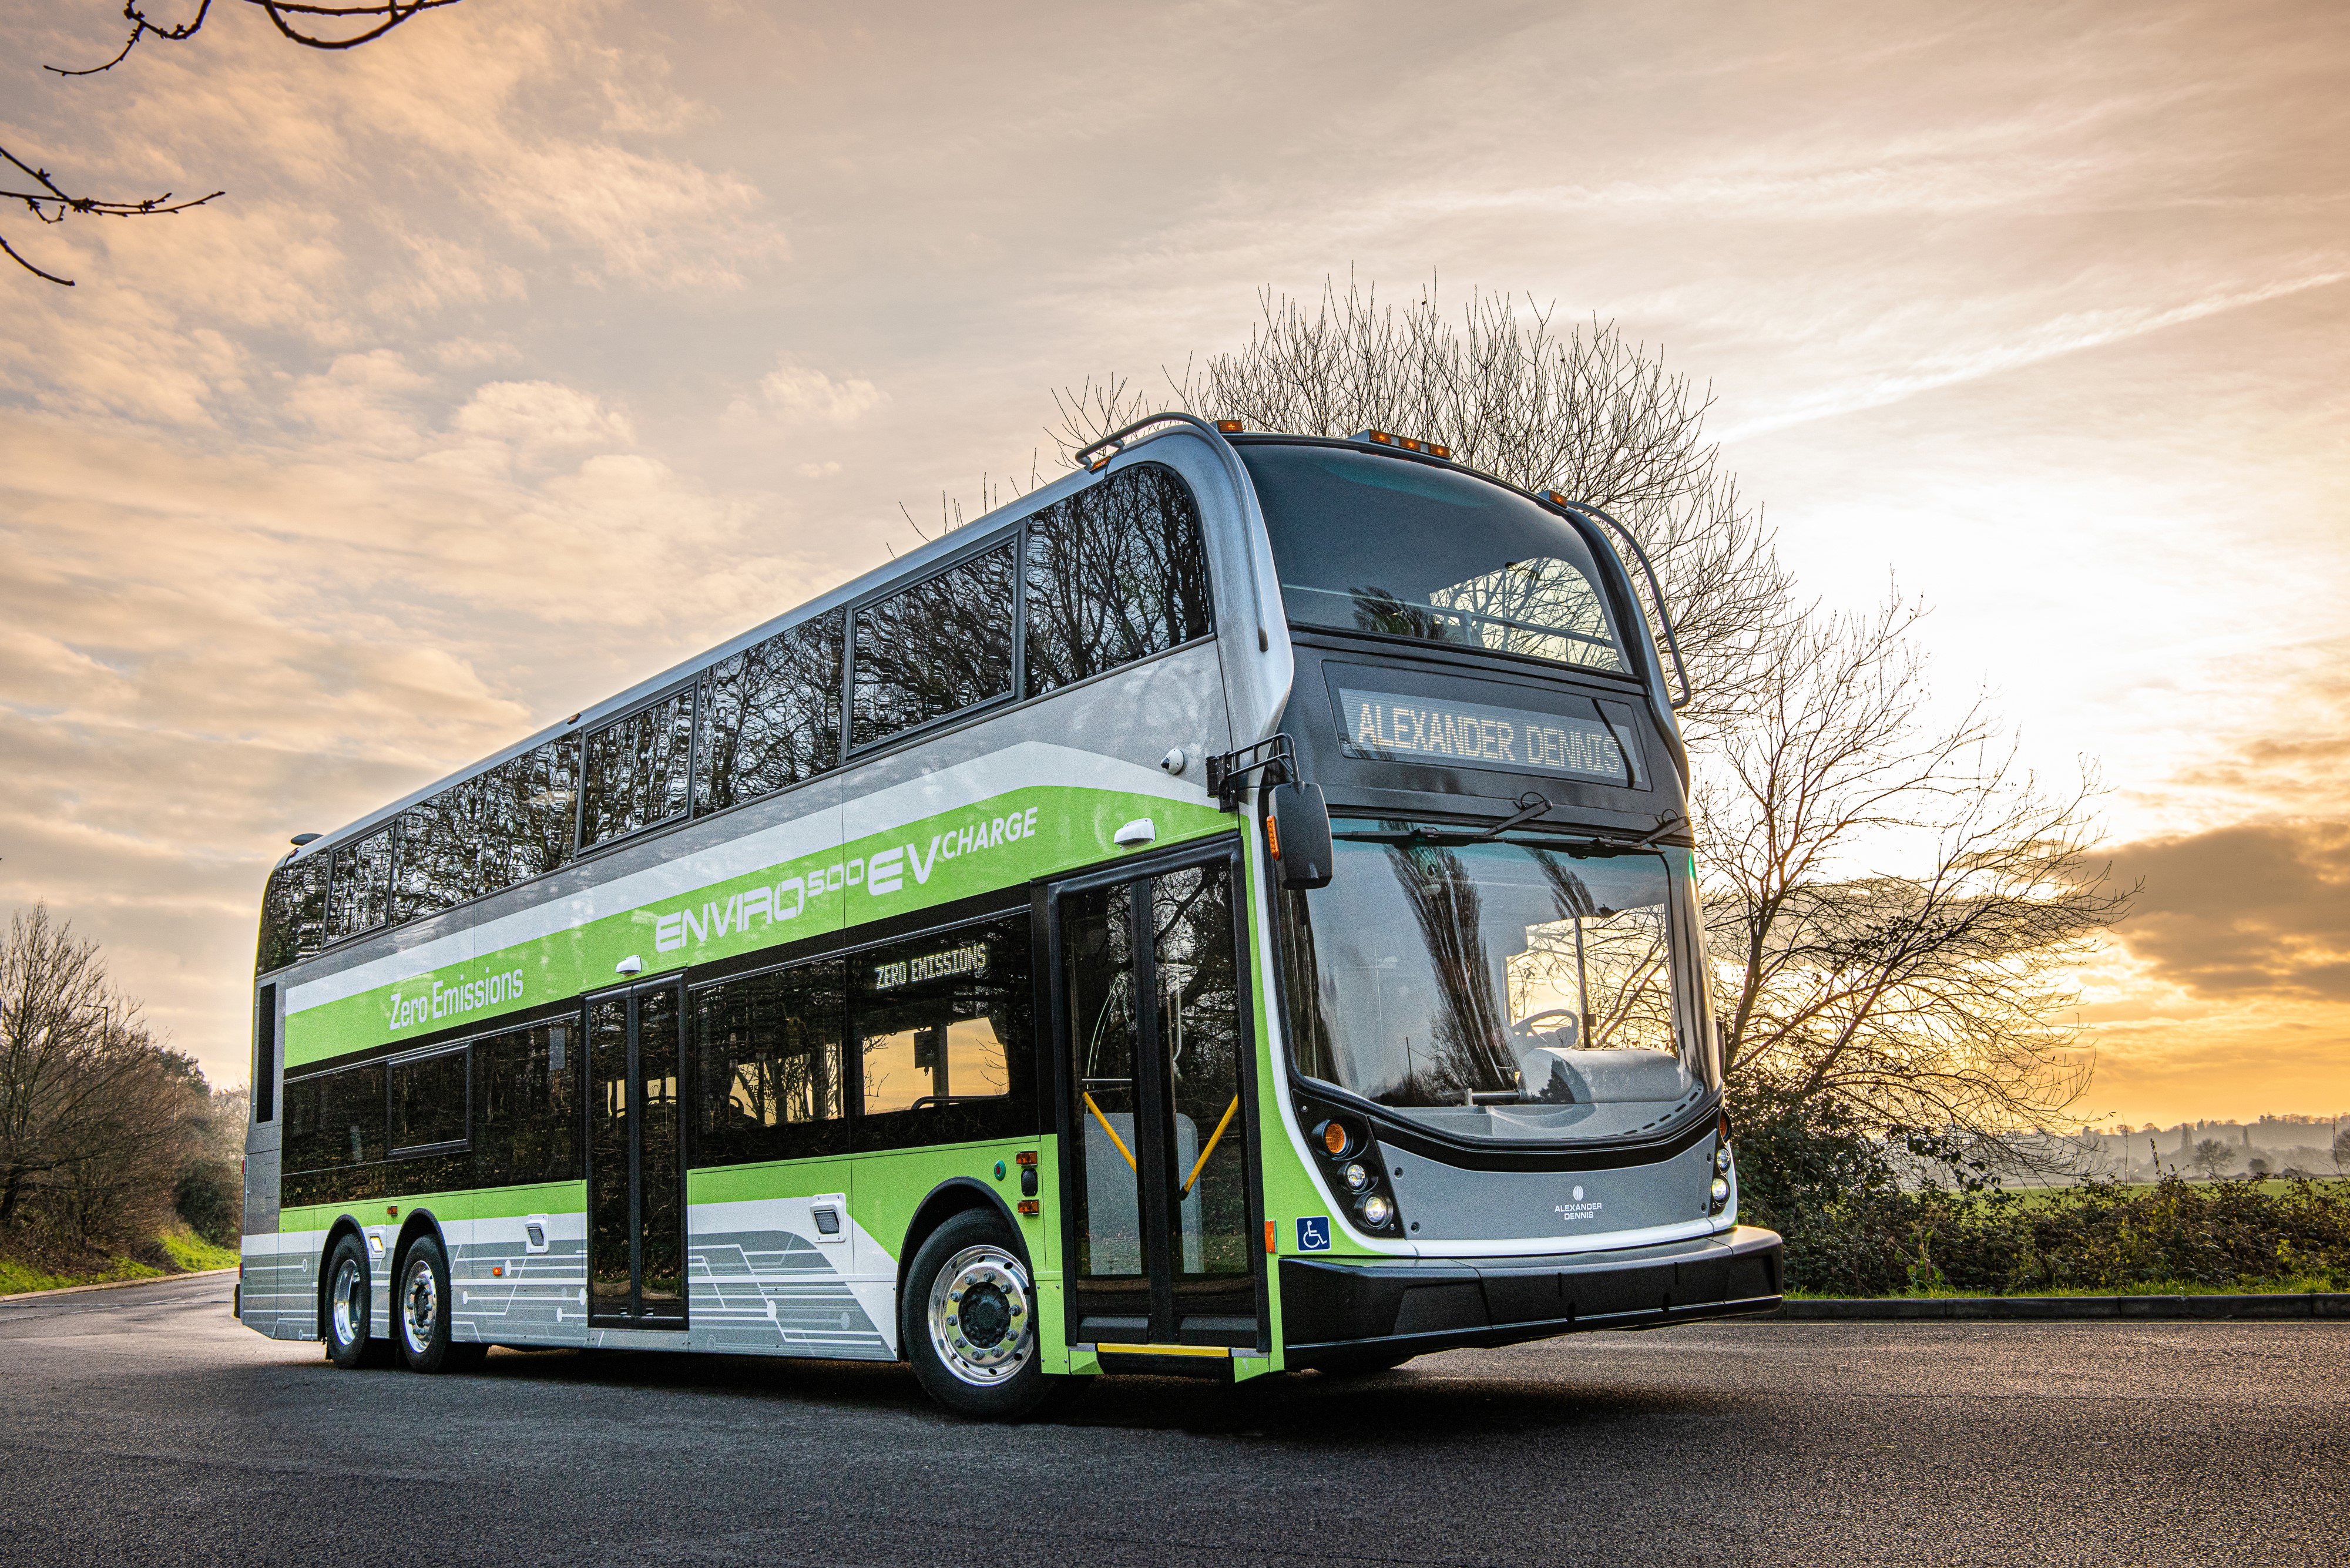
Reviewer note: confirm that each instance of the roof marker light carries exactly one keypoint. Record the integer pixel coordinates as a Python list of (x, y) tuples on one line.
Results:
[(1230, 427), (1406, 444)]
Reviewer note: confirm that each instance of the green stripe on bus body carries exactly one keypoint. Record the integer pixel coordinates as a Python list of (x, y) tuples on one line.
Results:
[(549, 1198), (998, 842)]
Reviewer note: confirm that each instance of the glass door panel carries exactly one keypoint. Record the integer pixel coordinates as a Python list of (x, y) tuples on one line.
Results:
[(1097, 962), (636, 1239), (660, 1197), (611, 1226), (1157, 1065), (1200, 1039)]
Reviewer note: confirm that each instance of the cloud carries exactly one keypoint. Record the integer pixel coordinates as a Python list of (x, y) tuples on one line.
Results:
[(800, 394), (2069, 333), (2249, 911), (536, 416)]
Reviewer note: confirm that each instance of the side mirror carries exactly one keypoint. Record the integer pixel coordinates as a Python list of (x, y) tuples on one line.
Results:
[(1297, 831)]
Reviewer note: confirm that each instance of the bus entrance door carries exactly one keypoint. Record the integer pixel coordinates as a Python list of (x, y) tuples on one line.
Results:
[(1159, 1172), (636, 1177)]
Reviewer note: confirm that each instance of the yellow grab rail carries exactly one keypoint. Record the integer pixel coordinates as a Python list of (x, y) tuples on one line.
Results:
[(1113, 1131), (1204, 1153)]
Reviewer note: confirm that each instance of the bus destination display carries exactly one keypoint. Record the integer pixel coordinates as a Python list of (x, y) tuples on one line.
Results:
[(1395, 727)]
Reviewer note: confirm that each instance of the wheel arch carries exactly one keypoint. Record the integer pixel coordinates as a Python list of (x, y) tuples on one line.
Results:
[(419, 1222), (956, 1195)]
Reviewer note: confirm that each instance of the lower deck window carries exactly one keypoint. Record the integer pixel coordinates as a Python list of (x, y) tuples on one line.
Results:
[(770, 1067)]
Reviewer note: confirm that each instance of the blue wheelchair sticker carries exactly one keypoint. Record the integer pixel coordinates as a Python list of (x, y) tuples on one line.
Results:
[(1314, 1235)]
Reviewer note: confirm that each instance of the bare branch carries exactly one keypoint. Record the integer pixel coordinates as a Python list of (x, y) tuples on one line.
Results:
[(51, 205), (393, 12)]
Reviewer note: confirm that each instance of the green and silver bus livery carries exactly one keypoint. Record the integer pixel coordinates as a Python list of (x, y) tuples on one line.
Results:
[(1230, 911)]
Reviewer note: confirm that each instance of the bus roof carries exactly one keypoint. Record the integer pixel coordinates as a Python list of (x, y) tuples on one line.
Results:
[(914, 564)]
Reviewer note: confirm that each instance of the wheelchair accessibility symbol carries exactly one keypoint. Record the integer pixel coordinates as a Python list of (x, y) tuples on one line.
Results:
[(1314, 1235)]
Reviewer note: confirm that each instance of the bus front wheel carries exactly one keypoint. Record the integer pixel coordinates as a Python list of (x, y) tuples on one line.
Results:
[(969, 1322)]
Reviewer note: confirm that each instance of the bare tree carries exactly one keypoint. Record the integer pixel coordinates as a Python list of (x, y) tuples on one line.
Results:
[(1583, 411), (2212, 1158), (1933, 995), (1939, 996), (50, 202), (96, 1118)]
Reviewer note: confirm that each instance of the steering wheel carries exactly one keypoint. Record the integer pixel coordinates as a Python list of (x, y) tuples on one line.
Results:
[(1526, 1025)]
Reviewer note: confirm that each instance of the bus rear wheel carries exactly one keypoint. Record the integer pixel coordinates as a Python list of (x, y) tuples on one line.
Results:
[(969, 1321), (346, 1303), (421, 1308)]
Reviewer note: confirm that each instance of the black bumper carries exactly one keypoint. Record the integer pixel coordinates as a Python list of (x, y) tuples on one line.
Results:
[(1340, 1310)]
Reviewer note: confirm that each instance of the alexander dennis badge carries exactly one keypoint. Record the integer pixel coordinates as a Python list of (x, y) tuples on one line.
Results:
[(1314, 1235)]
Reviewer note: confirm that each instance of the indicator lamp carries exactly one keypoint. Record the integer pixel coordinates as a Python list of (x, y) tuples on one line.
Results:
[(1336, 1139)]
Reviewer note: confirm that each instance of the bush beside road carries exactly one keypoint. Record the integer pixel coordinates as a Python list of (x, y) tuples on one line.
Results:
[(1855, 1229)]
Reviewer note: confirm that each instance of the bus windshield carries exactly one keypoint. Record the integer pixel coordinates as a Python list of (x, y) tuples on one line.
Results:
[(1498, 990), (1375, 544)]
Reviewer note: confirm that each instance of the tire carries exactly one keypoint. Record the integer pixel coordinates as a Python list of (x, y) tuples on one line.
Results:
[(344, 1315), (968, 1321), (420, 1311)]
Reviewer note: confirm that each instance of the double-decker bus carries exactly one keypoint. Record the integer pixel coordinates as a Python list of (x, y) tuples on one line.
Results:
[(1230, 911)]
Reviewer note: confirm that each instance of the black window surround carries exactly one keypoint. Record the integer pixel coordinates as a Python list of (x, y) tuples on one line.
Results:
[(385, 887), (490, 1156)]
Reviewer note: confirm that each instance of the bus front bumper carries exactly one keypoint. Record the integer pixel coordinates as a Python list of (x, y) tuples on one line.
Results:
[(1349, 1312)]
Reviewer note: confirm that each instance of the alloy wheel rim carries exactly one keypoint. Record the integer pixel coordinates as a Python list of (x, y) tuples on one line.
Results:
[(349, 1311), (420, 1305), (982, 1317)]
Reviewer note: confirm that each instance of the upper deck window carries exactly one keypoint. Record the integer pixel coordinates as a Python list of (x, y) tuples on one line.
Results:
[(1117, 571), (934, 649), (1374, 544), (361, 896), (637, 770), (770, 715)]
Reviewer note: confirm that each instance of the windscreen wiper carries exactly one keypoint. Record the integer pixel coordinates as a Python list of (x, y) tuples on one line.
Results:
[(1590, 841), (1529, 805)]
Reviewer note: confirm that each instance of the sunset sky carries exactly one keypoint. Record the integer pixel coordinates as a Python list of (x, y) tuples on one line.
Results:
[(534, 348)]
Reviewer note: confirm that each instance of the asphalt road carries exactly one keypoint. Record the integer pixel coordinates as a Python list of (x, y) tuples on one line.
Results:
[(145, 1426)]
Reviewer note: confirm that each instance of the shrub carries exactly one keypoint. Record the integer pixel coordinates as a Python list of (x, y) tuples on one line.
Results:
[(1810, 1172)]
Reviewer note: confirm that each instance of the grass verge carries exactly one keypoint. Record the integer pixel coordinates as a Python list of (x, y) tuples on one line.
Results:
[(185, 1252)]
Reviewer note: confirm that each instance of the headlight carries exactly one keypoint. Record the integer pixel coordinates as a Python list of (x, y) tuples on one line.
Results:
[(1722, 1158), (1720, 1190), (1356, 1177), (1377, 1209)]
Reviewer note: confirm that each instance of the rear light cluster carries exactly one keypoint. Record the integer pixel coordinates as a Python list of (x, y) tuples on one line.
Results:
[(1353, 1168)]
